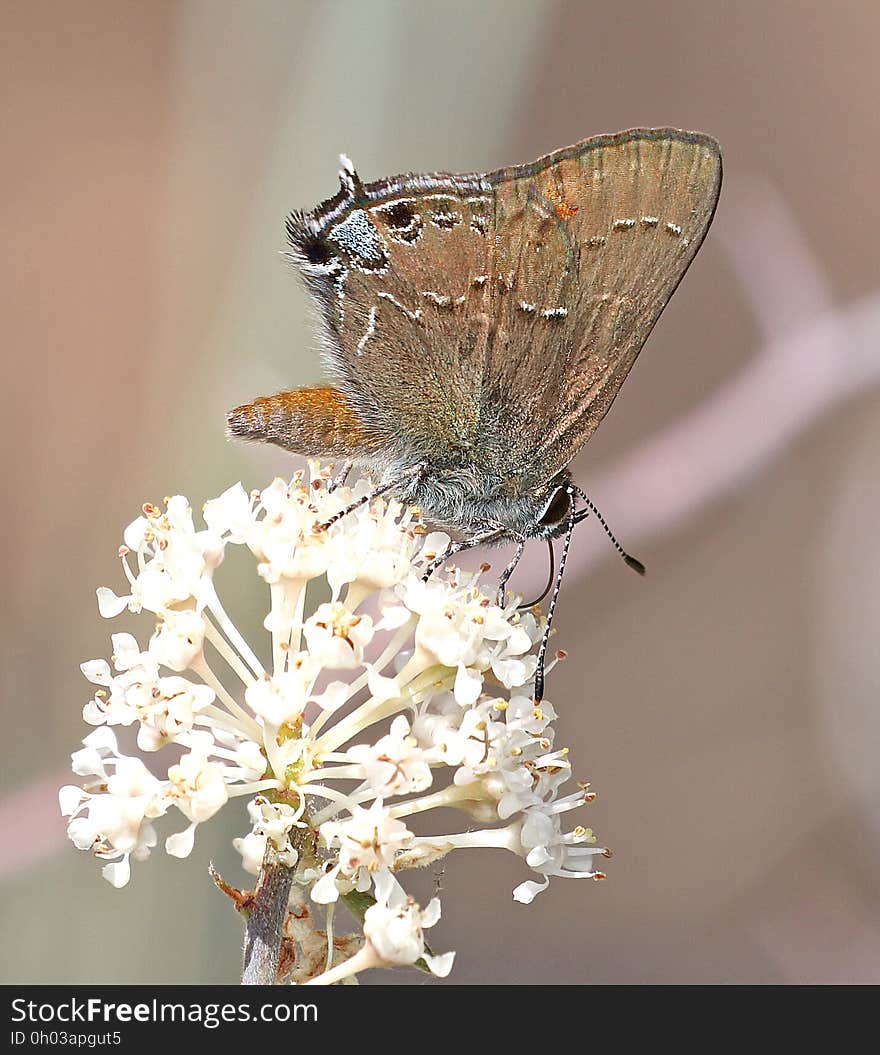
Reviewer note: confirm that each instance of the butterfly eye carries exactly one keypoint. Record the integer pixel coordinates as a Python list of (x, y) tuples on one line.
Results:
[(313, 247), (557, 508), (399, 215)]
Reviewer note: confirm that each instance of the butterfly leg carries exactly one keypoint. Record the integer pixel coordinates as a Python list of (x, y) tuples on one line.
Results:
[(339, 479), (501, 596), (457, 547), (416, 470)]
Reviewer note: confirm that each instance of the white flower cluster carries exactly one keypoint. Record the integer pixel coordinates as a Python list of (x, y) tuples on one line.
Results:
[(395, 697)]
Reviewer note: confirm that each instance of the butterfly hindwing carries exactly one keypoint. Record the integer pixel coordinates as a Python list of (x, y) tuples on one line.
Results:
[(405, 322)]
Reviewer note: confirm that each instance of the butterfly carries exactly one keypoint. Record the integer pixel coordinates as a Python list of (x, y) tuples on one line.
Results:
[(478, 327)]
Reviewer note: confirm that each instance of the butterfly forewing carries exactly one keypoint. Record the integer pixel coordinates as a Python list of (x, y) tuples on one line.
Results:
[(591, 243)]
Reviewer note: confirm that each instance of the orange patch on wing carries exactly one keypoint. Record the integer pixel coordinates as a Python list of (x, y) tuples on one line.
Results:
[(563, 210)]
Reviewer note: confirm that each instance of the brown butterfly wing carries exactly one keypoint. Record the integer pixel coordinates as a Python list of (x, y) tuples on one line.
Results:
[(392, 265), (591, 244)]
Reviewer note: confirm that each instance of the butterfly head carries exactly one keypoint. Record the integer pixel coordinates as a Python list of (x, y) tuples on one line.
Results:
[(557, 510), (465, 503)]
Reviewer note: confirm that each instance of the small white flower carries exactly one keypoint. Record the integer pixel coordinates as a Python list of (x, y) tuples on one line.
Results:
[(171, 712), (179, 639), (166, 708), (336, 637), (270, 820), (396, 934), (385, 530), (197, 787), (285, 541), (367, 842), (231, 515), (458, 626), (395, 764), (114, 824), (252, 848), (174, 561), (281, 698)]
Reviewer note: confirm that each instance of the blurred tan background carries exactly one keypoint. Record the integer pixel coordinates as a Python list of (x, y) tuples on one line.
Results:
[(727, 708)]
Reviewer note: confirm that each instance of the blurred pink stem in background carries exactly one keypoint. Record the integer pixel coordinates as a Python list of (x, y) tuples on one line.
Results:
[(813, 356)]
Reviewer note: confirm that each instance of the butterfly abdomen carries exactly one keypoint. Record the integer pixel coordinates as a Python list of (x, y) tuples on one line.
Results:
[(314, 422)]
